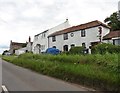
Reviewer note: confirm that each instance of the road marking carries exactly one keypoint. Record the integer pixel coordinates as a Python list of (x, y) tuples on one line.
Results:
[(5, 90)]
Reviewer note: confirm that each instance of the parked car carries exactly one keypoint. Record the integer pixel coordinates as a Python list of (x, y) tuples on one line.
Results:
[(52, 51)]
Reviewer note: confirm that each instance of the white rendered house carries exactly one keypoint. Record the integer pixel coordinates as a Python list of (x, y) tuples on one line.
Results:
[(86, 35), (40, 42)]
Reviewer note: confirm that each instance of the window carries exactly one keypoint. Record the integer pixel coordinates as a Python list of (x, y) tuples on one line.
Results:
[(72, 45), (84, 45), (42, 47), (116, 42), (43, 35), (54, 46), (65, 47), (53, 38), (82, 33), (72, 34), (65, 36)]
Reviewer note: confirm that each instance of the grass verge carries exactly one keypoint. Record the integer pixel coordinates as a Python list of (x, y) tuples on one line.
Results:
[(97, 71)]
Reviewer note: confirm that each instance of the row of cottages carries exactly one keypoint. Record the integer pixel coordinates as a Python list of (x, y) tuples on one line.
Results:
[(87, 35), (40, 42), (20, 48)]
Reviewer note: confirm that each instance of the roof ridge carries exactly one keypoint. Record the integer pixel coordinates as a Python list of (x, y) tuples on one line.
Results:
[(18, 43), (80, 27)]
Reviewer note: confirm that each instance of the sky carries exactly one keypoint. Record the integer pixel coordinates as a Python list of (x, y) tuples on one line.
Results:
[(20, 19)]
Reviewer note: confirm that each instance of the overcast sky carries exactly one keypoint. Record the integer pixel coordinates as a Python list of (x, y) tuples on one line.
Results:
[(20, 19)]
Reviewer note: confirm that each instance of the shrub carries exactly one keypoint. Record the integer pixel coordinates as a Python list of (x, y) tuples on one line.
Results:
[(76, 50), (105, 48)]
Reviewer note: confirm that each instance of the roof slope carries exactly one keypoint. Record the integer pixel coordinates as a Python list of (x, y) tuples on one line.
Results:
[(80, 27), (57, 27), (18, 44), (112, 34)]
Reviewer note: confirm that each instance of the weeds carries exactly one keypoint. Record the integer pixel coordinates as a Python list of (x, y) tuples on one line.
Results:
[(98, 71)]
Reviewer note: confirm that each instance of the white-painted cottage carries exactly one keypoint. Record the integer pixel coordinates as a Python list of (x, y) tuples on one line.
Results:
[(40, 42), (86, 35)]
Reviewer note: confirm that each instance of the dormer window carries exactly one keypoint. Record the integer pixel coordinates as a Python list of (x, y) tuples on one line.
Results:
[(65, 36), (83, 33)]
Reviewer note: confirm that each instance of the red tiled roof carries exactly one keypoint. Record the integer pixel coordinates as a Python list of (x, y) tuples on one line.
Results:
[(112, 34), (80, 27), (16, 43)]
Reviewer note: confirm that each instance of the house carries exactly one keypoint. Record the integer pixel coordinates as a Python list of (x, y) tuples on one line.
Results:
[(15, 46), (85, 35), (19, 48), (113, 37), (27, 48), (40, 42)]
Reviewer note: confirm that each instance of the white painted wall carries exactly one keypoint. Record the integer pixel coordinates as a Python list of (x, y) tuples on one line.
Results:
[(29, 47), (43, 41), (91, 36), (20, 51)]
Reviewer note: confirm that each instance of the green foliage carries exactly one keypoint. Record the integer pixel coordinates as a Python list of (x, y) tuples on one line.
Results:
[(76, 50), (113, 21), (98, 71), (106, 48)]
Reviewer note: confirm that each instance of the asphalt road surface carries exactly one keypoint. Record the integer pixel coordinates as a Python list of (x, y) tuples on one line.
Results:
[(20, 79)]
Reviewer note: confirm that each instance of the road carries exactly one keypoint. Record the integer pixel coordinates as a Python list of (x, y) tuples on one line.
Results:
[(20, 79)]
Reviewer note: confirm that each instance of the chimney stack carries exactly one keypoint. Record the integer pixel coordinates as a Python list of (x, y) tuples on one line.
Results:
[(29, 39)]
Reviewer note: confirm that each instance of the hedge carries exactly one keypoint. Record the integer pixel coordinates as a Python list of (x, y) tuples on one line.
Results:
[(103, 48)]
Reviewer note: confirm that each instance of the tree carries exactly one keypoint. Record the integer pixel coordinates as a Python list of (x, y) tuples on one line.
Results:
[(4, 52), (113, 21)]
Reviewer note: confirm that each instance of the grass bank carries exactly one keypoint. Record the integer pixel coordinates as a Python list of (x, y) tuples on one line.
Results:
[(96, 71)]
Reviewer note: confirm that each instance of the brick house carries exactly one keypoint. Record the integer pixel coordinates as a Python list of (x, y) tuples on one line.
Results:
[(15, 46)]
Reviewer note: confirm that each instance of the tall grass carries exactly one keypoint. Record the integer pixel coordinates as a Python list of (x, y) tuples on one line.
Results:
[(98, 71)]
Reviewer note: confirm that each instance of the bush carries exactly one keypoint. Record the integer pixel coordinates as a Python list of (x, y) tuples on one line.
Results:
[(76, 50), (105, 48)]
